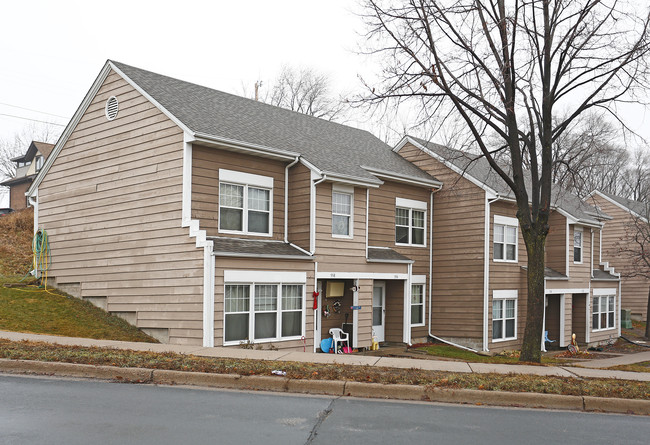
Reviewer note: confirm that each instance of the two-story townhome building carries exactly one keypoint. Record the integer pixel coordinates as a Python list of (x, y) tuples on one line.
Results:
[(615, 238), (27, 166), (479, 282), (210, 219)]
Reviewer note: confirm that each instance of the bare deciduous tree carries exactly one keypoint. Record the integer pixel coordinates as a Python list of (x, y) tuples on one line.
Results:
[(307, 92), (510, 70)]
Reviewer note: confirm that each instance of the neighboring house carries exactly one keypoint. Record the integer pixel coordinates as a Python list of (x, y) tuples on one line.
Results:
[(27, 167), (209, 219), (479, 267), (623, 211)]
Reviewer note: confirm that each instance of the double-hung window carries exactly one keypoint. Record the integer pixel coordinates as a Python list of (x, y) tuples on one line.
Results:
[(342, 211), (245, 203), (603, 311), (505, 238), (577, 244), (410, 222), (417, 303), (504, 315), (263, 311)]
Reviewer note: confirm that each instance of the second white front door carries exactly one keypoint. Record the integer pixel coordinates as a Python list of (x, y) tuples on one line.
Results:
[(378, 310)]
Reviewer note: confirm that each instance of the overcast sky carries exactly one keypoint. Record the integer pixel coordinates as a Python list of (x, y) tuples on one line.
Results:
[(51, 51)]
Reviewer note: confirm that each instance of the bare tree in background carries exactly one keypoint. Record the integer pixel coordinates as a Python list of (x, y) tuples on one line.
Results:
[(635, 247), (587, 157), (510, 70), (307, 92), (636, 179)]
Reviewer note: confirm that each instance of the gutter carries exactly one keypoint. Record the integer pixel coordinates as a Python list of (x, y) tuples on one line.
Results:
[(486, 269)]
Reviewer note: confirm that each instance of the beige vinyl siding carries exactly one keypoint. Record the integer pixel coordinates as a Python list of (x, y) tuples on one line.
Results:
[(299, 205), (340, 254), (381, 229), (253, 265), (634, 290), (394, 322), (580, 272), (111, 204), (556, 252), (458, 251), (365, 314), (206, 163)]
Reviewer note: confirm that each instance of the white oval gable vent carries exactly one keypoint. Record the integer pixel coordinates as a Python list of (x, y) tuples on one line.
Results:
[(111, 108)]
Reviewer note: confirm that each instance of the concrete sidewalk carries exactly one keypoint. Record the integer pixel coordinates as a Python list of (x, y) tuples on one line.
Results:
[(390, 362)]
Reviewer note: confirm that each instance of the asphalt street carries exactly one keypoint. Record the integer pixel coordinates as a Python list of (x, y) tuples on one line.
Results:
[(65, 411)]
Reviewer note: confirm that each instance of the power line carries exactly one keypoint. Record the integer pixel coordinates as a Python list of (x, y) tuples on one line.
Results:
[(33, 120), (35, 111)]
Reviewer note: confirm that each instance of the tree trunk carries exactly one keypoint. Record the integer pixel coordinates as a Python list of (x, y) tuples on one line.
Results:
[(647, 318), (532, 342)]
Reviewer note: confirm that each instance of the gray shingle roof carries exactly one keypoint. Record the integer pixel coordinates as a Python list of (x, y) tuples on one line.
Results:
[(637, 207), (382, 254), (601, 275), (478, 168), (256, 248), (331, 147)]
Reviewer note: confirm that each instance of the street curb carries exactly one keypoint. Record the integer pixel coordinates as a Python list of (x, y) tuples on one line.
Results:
[(612, 405), (328, 387), (505, 398), (131, 375)]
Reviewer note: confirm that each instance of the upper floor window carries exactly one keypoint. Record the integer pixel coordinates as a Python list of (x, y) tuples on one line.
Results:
[(410, 222), (577, 245), (39, 162), (342, 211), (245, 203), (505, 238)]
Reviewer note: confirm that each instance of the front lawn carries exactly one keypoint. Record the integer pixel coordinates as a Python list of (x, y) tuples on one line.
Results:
[(451, 352)]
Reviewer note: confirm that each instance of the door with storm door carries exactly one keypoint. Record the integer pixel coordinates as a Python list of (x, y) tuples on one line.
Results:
[(378, 310)]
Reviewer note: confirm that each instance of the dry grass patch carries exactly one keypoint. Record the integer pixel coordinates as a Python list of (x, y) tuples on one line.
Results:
[(16, 232), (313, 371)]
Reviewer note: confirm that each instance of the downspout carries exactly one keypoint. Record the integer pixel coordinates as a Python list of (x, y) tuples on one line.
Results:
[(431, 278), (591, 271), (312, 216), (367, 218), (486, 270)]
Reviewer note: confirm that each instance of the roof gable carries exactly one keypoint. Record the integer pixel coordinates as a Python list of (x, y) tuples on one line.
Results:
[(636, 208)]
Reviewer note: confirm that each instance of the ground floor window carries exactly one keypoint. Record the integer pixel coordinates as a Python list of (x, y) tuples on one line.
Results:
[(504, 315), (263, 311), (417, 305), (603, 312)]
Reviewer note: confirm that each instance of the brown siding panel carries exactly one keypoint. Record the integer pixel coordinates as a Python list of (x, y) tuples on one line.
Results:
[(111, 204)]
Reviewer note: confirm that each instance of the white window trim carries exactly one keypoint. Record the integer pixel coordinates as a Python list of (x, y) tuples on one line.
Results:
[(424, 300), (506, 221), (410, 205), (348, 190), (603, 293), (246, 180), (251, 306), (506, 295), (582, 243)]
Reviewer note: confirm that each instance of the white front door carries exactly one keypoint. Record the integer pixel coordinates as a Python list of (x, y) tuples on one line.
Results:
[(378, 310)]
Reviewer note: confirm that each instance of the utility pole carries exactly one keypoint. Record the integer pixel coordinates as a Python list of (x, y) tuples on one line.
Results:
[(258, 84)]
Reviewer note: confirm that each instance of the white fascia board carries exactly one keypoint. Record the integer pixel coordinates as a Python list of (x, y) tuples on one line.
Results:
[(137, 87), (85, 103), (352, 180), (260, 150), (311, 167), (361, 275), (391, 176), (449, 165), (568, 291), (617, 204), (390, 261)]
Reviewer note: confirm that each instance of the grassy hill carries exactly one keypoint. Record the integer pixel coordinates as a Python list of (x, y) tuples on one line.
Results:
[(26, 307)]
